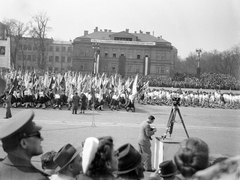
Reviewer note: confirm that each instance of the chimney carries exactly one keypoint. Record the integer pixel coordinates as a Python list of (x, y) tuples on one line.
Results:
[(127, 30), (148, 33), (96, 29), (105, 30), (85, 32), (100, 30), (109, 30), (135, 32), (140, 32)]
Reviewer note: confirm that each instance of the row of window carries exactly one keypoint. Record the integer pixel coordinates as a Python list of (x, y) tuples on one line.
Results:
[(62, 48), (160, 56), (50, 58), (57, 59), (30, 47), (49, 68), (129, 68)]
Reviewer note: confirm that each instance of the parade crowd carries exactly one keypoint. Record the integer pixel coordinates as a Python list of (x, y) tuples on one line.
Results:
[(85, 91), (206, 81)]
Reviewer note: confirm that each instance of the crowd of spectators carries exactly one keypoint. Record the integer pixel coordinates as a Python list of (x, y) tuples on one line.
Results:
[(206, 81)]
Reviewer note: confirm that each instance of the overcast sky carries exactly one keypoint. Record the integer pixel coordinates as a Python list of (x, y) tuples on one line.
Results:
[(187, 24)]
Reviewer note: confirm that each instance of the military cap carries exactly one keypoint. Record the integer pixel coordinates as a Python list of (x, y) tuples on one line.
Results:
[(19, 125)]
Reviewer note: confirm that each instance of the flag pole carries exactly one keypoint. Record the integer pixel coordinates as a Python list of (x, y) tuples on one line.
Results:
[(93, 118)]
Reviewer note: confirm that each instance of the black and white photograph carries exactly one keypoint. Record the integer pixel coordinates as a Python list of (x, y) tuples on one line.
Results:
[(119, 90)]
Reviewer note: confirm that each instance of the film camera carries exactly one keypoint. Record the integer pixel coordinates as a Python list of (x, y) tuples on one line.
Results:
[(154, 130), (176, 101)]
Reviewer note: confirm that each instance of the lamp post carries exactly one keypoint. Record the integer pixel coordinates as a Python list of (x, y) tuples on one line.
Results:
[(96, 49), (199, 51)]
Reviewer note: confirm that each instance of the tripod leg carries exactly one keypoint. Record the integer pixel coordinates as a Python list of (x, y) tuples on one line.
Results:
[(172, 122), (179, 113)]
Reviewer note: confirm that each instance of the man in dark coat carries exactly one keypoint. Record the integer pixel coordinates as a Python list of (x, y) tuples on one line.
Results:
[(75, 103), (21, 140)]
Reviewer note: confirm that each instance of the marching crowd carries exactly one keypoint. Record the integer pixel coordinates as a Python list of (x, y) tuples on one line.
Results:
[(73, 90), (98, 159)]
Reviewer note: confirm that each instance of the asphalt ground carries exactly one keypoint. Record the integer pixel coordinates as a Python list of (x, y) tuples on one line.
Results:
[(219, 128)]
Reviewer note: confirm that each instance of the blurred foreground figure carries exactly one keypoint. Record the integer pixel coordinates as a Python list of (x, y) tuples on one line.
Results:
[(227, 169), (21, 140), (130, 163), (167, 171), (192, 156), (99, 158), (48, 165), (69, 163)]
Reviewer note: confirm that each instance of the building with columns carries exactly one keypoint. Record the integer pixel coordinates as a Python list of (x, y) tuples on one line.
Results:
[(123, 52)]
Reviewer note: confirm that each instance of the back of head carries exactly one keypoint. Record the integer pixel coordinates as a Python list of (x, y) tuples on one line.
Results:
[(47, 160), (193, 155), (103, 154)]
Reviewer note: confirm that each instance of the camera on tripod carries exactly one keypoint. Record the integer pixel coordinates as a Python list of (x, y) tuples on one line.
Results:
[(176, 101)]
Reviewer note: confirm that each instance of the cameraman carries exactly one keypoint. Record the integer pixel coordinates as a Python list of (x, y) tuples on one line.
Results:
[(144, 141)]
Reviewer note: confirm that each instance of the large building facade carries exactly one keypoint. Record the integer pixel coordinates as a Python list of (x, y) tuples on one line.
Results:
[(58, 55), (123, 52)]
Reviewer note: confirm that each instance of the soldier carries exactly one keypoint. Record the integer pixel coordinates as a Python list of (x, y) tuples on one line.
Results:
[(21, 140)]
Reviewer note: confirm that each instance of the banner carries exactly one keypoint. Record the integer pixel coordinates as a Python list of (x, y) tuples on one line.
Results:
[(123, 42), (5, 53)]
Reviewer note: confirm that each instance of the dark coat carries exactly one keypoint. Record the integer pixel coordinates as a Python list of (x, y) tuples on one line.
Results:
[(76, 100), (16, 167)]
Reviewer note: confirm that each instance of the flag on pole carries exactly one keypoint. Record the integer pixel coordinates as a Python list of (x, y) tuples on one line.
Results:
[(134, 88)]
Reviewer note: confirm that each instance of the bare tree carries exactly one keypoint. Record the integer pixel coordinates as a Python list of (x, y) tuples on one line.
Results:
[(38, 31), (15, 30)]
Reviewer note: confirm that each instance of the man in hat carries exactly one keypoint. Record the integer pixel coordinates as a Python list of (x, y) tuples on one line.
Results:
[(21, 140), (144, 143), (69, 163), (167, 171), (130, 163)]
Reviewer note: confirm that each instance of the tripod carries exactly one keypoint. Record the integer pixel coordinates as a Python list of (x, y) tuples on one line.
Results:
[(171, 121)]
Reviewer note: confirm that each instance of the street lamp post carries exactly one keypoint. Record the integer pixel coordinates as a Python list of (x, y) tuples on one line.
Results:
[(199, 51), (96, 49)]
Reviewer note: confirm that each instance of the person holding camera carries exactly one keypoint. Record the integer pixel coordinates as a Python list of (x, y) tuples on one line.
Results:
[(144, 143)]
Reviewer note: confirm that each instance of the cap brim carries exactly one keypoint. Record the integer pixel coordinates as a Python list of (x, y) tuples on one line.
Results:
[(36, 128), (78, 150)]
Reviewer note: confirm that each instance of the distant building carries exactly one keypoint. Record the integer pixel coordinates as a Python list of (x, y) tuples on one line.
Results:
[(60, 56), (124, 52), (57, 55)]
